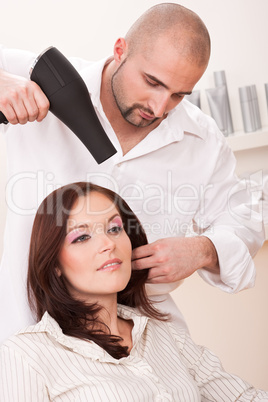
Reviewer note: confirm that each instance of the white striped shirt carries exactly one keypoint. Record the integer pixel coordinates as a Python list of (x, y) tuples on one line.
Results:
[(40, 364)]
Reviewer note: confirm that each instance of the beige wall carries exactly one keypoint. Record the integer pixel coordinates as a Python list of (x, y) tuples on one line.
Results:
[(234, 326)]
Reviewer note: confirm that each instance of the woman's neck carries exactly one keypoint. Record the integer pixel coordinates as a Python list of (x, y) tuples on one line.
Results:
[(117, 325), (108, 314)]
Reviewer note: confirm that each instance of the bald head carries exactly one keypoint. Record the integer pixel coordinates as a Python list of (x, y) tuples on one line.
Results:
[(180, 27)]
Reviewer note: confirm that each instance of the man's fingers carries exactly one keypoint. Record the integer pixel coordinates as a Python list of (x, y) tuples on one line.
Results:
[(157, 280), (21, 100), (37, 104), (22, 112), (14, 110), (10, 114), (142, 263), (142, 252), (42, 103), (32, 108), (16, 114), (159, 275)]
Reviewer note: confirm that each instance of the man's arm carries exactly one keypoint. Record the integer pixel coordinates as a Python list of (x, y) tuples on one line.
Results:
[(227, 218)]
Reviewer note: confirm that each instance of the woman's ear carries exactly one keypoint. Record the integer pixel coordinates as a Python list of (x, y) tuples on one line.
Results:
[(58, 271), (120, 50)]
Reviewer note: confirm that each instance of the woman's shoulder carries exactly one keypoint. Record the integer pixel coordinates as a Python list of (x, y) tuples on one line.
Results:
[(32, 337)]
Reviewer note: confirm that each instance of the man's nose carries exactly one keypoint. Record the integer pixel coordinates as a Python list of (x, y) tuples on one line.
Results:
[(159, 105)]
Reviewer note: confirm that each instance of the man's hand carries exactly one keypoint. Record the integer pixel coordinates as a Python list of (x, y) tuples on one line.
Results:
[(21, 100), (172, 259)]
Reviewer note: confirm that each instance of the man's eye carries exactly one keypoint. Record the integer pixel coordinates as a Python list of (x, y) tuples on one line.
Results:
[(115, 229), (151, 83), (81, 238)]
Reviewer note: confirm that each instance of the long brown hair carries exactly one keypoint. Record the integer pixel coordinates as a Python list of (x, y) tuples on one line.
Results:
[(48, 292)]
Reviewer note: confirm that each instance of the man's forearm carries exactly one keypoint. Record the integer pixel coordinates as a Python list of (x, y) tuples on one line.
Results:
[(210, 255)]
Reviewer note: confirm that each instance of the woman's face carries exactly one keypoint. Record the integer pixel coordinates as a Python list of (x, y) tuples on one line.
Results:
[(96, 254)]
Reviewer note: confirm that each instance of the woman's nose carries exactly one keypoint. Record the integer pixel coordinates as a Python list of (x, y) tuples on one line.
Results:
[(106, 243)]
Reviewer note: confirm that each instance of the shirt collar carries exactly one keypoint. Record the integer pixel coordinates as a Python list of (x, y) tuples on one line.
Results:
[(178, 123), (92, 75), (86, 348), (192, 119)]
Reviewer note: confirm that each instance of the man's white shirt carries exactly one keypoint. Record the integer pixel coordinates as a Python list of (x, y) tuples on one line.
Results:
[(180, 181)]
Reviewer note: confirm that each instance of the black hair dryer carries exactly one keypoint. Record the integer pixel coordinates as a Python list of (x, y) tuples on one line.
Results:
[(70, 101)]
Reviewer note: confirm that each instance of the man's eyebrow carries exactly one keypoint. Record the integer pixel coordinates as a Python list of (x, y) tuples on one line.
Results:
[(164, 85)]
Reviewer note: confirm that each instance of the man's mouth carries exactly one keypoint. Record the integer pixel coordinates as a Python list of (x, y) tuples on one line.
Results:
[(145, 115)]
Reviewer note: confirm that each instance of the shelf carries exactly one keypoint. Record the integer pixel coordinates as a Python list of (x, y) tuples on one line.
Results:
[(241, 141)]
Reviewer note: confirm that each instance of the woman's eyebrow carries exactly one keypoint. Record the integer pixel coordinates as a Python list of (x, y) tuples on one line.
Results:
[(112, 217), (79, 226), (86, 225)]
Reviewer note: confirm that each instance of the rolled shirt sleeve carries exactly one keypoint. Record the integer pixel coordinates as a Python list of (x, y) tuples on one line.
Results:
[(234, 225)]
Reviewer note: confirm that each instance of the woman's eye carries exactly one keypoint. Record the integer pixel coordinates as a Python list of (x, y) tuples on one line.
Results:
[(81, 238), (115, 229)]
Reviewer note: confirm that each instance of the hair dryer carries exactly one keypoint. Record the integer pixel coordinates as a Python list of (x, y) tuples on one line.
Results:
[(70, 101)]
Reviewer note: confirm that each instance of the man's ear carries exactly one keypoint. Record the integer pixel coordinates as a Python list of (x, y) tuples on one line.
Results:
[(120, 50)]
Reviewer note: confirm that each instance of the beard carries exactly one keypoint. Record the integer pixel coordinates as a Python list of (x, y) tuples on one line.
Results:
[(129, 113)]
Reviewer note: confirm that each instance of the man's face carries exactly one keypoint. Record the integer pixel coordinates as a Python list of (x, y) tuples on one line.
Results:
[(146, 86)]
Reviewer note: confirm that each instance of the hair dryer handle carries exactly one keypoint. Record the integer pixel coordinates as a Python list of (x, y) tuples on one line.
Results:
[(3, 118)]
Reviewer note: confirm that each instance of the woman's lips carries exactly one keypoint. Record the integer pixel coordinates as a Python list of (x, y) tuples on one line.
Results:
[(110, 265)]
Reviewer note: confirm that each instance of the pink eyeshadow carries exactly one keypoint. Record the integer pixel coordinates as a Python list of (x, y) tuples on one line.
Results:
[(117, 221), (74, 234)]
